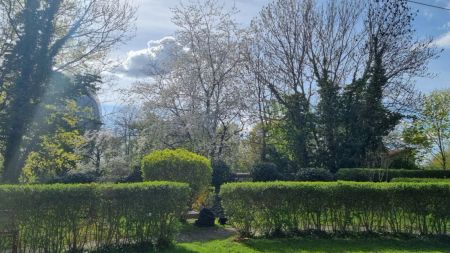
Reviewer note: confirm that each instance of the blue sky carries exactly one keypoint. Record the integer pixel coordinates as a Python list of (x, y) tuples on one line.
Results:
[(154, 23)]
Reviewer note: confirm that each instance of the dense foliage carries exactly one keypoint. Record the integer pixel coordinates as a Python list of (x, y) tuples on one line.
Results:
[(178, 165), (287, 208), (430, 129), (40, 39), (265, 171), (221, 173), (421, 180), (381, 175), (60, 218), (314, 174)]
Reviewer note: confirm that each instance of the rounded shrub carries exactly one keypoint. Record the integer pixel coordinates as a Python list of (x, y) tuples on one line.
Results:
[(221, 173), (265, 171), (178, 165), (314, 174)]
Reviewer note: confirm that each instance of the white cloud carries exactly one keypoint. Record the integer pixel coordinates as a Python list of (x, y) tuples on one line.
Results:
[(154, 59), (443, 41)]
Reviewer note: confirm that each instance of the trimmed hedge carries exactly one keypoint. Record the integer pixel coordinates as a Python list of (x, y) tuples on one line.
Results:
[(179, 165), (383, 175), (289, 208), (75, 218), (421, 180)]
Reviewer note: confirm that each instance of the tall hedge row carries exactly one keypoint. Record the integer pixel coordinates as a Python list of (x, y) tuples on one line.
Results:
[(61, 218), (267, 209), (383, 175)]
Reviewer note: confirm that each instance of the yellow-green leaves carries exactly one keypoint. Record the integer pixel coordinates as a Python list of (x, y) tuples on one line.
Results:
[(76, 218), (274, 208), (179, 165)]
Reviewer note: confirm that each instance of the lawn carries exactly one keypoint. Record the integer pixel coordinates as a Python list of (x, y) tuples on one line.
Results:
[(313, 245), (229, 245)]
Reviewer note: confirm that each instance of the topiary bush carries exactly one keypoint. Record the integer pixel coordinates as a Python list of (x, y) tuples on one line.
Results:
[(290, 208), (265, 171), (221, 173), (314, 174), (81, 217), (178, 165)]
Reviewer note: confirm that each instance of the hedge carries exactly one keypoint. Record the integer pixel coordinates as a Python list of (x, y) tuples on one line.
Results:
[(382, 175), (179, 165), (421, 180), (61, 218), (290, 208)]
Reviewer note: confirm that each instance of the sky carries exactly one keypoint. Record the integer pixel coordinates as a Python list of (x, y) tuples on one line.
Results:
[(153, 41)]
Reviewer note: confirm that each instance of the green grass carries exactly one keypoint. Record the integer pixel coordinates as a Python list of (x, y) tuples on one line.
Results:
[(307, 245)]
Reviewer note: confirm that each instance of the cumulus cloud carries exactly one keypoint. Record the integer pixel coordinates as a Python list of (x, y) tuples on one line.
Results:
[(443, 41), (154, 59)]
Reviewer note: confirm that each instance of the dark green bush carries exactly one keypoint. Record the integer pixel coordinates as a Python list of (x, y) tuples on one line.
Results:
[(178, 165), (383, 175), (81, 177), (288, 208), (221, 173), (314, 174), (421, 180), (60, 218), (265, 171)]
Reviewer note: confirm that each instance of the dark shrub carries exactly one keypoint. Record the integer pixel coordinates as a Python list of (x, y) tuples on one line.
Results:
[(81, 177), (135, 176), (314, 174), (205, 218), (281, 160), (221, 173), (383, 175), (265, 171), (223, 221), (403, 159)]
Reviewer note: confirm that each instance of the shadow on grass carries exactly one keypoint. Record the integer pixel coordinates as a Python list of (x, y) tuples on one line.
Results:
[(346, 245)]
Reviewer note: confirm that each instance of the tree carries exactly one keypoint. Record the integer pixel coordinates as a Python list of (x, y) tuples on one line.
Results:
[(278, 59), (431, 128), (342, 72), (56, 132), (201, 96), (49, 35)]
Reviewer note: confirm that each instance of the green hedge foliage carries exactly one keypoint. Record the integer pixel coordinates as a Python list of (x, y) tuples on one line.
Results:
[(421, 180), (383, 175), (178, 165), (289, 208), (75, 218)]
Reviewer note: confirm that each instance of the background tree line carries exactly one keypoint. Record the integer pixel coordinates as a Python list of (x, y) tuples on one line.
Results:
[(306, 84)]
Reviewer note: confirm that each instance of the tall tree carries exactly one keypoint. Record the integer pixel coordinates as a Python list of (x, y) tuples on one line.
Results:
[(280, 62), (45, 31), (342, 70), (202, 95), (431, 128)]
